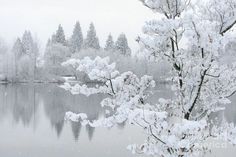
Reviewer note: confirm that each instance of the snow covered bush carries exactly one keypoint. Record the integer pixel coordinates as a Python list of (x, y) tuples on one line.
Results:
[(139, 66), (191, 37)]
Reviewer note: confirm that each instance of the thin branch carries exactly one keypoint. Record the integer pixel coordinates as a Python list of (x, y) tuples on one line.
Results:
[(227, 28), (213, 75), (150, 128), (234, 92), (112, 89)]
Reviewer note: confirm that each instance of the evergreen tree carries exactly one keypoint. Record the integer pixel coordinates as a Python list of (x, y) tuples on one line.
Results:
[(122, 45), (53, 39), (76, 40), (27, 42), (18, 52), (18, 48), (59, 37), (30, 54), (109, 43), (92, 39)]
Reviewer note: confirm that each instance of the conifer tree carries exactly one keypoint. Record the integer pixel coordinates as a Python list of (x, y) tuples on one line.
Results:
[(60, 36), (18, 52), (27, 42), (122, 45), (76, 40), (92, 39), (109, 43), (18, 48), (30, 52)]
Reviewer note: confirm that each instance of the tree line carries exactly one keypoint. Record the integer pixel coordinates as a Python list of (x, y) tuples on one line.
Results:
[(24, 62), (77, 42)]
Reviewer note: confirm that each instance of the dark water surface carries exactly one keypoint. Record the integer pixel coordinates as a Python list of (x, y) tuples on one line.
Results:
[(32, 125)]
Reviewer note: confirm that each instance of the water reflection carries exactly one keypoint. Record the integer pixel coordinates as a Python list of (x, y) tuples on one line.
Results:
[(29, 113), (23, 101), (76, 129), (20, 101)]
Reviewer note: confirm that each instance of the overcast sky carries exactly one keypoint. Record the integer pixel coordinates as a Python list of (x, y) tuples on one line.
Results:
[(43, 16)]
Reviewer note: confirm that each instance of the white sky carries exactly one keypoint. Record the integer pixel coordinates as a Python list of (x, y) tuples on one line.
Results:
[(43, 16)]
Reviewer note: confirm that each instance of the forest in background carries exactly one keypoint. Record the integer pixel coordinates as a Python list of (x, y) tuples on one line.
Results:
[(26, 62)]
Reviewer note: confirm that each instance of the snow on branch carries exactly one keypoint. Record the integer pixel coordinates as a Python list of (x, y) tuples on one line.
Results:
[(202, 83)]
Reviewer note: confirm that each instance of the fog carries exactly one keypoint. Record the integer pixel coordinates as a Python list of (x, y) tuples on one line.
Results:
[(42, 17)]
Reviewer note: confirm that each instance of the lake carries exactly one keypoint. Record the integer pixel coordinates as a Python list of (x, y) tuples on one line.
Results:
[(32, 124)]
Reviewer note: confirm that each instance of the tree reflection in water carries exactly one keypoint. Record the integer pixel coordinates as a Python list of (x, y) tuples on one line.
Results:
[(22, 102)]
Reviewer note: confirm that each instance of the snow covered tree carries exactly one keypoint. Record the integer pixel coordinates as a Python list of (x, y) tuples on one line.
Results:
[(109, 43), (28, 44), (191, 37), (18, 48), (18, 51), (57, 51), (3, 60), (59, 37), (52, 40), (54, 55), (72, 66), (76, 40), (31, 50), (122, 45), (91, 40)]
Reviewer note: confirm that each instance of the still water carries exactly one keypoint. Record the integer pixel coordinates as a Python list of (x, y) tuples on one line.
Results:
[(32, 125)]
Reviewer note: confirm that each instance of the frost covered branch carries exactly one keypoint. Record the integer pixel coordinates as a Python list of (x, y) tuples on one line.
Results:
[(191, 38)]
